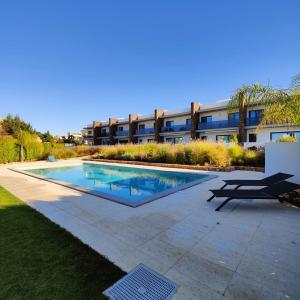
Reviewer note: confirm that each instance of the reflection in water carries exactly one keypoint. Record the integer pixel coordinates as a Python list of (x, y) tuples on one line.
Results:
[(124, 182)]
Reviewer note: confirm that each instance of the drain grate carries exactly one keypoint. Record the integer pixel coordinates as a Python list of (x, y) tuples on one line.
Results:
[(142, 283)]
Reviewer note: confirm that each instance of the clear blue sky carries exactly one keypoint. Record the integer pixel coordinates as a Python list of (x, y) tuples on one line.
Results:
[(66, 63)]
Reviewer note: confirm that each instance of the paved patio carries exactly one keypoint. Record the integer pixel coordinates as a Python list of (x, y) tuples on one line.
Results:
[(249, 250)]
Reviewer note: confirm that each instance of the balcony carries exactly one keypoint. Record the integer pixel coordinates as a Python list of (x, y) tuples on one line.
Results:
[(252, 121), (176, 128), (144, 131), (104, 134), (227, 124), (121, 133)]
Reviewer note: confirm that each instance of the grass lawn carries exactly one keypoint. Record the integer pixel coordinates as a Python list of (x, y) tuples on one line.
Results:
[(40, 260)]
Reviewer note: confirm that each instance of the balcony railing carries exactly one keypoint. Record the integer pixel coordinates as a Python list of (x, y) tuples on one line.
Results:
[(145, 131), (121, 133), (176, 128), (104, 134), (227, 124), (252, 121)]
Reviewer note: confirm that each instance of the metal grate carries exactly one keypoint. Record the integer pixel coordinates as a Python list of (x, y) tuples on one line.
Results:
[(142, 283)]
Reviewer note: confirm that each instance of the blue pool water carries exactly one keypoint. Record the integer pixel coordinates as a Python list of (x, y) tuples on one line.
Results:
[(131, 186)]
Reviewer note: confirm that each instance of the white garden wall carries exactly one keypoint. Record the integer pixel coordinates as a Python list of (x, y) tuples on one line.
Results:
[(283, 157)]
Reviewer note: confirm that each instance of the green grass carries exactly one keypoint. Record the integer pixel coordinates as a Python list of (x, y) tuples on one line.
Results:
[(40, 260)]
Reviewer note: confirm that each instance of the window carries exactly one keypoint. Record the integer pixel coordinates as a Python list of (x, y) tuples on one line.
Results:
[(151, 140), (252, 138), (206, 119), (203, 137), (140, 141), (176, 140), (120, 128), (188, 123), (223, 138), (90, 132), (255, 114), (276, 135), (141, 126), (169, 123), (234, 116)]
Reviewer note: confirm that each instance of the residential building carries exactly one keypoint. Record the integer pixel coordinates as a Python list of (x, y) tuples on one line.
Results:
[(204, 122), (77, 136), (88, 134)]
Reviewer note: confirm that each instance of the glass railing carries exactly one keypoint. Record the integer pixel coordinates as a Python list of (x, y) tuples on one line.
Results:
[(252, 121), (104, 134), (218, 124), (227, 123), (176, 128), (122, 133), (144, 131)]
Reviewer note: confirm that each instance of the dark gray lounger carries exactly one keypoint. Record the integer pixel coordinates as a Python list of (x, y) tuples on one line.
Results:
[(267, 181), (271, 192)]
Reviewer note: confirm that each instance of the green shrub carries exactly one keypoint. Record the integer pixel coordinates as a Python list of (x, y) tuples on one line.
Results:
[(196, 153), (236, 154), (287, 139), (9, 149), (63, 153)]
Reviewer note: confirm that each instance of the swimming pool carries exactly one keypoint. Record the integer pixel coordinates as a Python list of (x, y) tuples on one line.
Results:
[(126, 185)]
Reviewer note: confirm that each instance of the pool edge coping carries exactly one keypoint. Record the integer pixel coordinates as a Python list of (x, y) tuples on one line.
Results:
[(116, 199)]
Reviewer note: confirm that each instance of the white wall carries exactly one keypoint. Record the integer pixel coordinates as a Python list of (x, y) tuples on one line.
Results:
[(177, 120), (216, 115), (148, 124), (125, 126), (283, 157), (264, 135)]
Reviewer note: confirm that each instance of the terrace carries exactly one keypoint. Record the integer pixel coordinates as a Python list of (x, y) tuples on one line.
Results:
[(249, 250), (145, 131), (176, 128), (121, 133), (227, 124)]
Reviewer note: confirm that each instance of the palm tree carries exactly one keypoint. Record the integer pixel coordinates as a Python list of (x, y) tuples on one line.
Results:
[(283, 106), (243, 98)]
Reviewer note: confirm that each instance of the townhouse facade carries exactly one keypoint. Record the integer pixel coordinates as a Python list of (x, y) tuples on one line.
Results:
[(202, 122)]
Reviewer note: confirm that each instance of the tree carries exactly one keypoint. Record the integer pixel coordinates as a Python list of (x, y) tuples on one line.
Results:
[(13, 124), (283, 106), (46, 137), (243, 98)]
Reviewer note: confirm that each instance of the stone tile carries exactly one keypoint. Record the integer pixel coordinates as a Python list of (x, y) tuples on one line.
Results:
[(219, 251), (133, 258), (270, 275), (245, 288), (130, 236), (191, 289), (204, 271), (180, 238), (162, 251)]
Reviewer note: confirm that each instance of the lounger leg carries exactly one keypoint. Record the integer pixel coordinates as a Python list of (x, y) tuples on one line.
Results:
[(212, 197), (237, 187), (225, 202), (223, 186)]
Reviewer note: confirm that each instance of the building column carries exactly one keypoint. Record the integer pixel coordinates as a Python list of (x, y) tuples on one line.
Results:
[(158, 124), (132, 128), (195, 113), (111, 123), (96, 132)]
